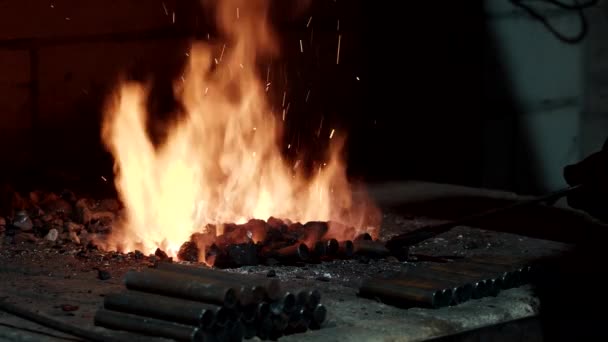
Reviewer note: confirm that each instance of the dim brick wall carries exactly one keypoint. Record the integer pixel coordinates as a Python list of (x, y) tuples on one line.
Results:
[(72, 78), (53, 18)]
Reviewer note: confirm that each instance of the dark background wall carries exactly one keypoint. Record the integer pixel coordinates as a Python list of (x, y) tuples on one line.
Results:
[(415, 90)]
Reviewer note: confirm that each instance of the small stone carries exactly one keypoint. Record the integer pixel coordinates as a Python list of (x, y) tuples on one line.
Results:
[(379, 312), (52, 235), (271, 274), (68, 307), (74, 237), (103, 274), (23, 221), (323, 278)]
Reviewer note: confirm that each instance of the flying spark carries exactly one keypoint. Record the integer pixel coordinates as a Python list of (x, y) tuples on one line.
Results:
[(338, 54), (237, 13), (284, 95), (331, 135), (173, 17), (301, 46), (309, 20), (307, 95), (68, 18), (357, 78), (52, 6), (165, 8), (338, 28), (222, 54), (104, 178)]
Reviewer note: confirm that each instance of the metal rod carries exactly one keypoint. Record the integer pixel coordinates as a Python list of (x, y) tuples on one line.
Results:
[(479, 286), (346, 249), (287, 303), (400, 295), (333, 247), (460, 292), (147, 326), (166, 308), (182, 286), (370, 248), (256, 288), (430, 231), (57, 325), (318, 316), (294, 253)]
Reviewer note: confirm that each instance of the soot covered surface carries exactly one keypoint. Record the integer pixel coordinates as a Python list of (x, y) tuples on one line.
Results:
[(66, 281)]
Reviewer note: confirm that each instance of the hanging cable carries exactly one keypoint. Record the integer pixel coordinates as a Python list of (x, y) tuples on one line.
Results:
[(576, 6)]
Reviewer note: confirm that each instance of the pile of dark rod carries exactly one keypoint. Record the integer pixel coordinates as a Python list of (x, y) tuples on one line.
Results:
[(192, 303), (447, 284), (280, 242)]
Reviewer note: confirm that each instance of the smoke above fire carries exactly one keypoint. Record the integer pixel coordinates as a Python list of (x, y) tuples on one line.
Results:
[(220, 161)]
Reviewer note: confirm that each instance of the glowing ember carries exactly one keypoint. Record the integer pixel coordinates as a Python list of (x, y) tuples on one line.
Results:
[(220, 162)]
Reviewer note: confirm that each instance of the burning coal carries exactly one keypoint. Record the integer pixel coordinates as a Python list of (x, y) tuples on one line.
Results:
[(220, 161)]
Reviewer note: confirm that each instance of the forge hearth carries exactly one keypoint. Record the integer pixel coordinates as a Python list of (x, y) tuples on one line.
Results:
[(47, 275)]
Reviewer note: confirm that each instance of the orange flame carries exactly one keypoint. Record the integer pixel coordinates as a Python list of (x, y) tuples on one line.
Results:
[(220, 161)]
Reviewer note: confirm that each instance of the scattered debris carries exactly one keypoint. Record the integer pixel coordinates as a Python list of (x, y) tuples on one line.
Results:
[(52, 235), (103, 274)]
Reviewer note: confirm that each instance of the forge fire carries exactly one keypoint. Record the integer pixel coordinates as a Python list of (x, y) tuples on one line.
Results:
[(220, 162), (302, 170)]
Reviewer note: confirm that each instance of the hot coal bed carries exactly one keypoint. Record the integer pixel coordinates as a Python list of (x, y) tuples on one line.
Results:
[(297, 282)]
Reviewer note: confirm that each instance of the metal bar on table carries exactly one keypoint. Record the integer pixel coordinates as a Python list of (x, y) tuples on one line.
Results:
[(260, 287), (400, 295), (165, 308), (182, 286), (57, 325), (147, 326)]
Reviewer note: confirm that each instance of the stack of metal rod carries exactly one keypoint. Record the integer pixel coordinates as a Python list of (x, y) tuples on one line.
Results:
[(190, 303), (446, 284)]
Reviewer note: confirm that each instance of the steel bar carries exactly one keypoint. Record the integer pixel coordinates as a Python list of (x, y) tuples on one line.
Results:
[(430, 231), (260, 288), (292, 254), (370, 248), (232, 332), (364, 236), (147, 326), (482, 285), (182, 286), (479, 271), (318, 316), (478, 288), (165, 308), (287, 303), (400, 295), (319, 251), (333, 247), (57, 325), (461, 292), (346, 249), (427, 284)]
